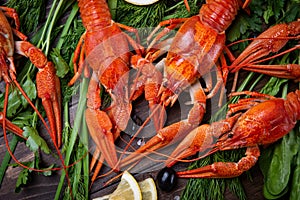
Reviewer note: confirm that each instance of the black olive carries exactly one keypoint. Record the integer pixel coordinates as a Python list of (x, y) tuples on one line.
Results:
[(166, 179)]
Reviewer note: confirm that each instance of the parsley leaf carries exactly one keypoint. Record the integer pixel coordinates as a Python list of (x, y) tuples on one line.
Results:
[(34, 141)]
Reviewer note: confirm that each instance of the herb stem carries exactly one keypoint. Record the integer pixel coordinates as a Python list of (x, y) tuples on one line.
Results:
[(256, 81), (46, 24), (174, 7), (66, 114), (51, 25), (35, 116), (86, 163), (67, 26), (75, 131), (77, 173)]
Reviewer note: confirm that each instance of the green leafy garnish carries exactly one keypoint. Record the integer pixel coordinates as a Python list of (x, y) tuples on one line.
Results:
[(29, 10), (34, 141), (30, 90), (62, 68), (14, 104), (140, 16), (23, 178)]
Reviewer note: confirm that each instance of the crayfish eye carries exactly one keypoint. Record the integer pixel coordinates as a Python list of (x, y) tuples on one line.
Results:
[(177, 91), (7, 61), (230, 135), (165, 84)]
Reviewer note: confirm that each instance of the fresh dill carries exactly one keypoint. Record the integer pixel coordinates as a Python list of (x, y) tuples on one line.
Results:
[(28, 10)]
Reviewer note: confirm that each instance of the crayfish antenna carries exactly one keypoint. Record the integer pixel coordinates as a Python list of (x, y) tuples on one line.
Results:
[(7, 144), (246, 4), (43, 121), (31, 104), (186, 3)]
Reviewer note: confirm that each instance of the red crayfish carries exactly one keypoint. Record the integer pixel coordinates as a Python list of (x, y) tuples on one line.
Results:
[(266, 120), (196, 47), (48, 85)]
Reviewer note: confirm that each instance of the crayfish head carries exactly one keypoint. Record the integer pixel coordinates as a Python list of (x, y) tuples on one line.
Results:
[(172, 86), (6, 65), (168, 96)]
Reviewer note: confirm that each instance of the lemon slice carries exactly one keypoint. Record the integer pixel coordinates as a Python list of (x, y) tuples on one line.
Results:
[(141, 2), (148, 189), (128, 189)]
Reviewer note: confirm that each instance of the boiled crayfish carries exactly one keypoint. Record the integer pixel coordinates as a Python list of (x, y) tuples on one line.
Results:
[(196, 47), (48, 85), (104, 48), (266, 120), (193, 52), (270, 41)]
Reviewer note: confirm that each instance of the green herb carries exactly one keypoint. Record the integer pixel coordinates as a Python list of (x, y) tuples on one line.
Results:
[(274, 9), (140, 16), (179, 10), (14, 99), (242, 27), (28, 10), (34, 141), (280, 167), (23, 177), (62, 68), (76, 129), (295, 184), (17, 102), (112, 4)]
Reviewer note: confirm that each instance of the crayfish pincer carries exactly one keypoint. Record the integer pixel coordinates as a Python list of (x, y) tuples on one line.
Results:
[(266, 120)]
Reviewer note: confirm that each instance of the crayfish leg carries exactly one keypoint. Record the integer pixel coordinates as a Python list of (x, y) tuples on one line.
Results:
[(12, 13), (225, 169), (78, 57), (11, 127), (202, 139)]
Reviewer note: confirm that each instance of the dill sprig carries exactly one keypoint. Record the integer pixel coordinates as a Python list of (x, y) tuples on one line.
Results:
[(29, 10), (140, 16), (179, 10)]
